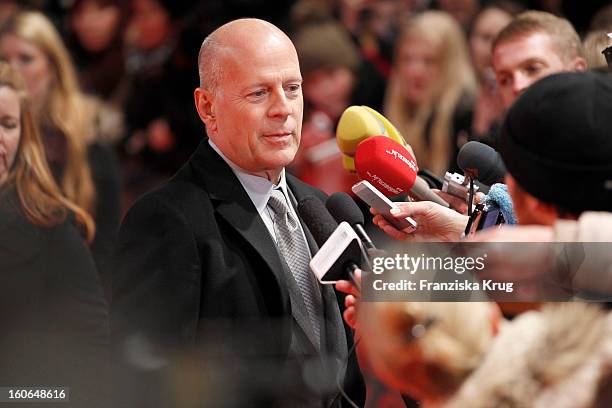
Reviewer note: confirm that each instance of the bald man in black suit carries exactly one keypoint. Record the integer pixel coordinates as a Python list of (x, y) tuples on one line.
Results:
[(202, 264)]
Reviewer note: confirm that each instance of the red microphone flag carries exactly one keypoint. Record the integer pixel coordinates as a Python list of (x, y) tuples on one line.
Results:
[(386, 164)]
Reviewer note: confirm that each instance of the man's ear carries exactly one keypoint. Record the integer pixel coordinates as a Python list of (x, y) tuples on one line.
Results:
[(579, 64), (204, 103), (543, 212)]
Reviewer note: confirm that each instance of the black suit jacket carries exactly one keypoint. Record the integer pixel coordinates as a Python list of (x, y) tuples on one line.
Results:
[(197, 270)]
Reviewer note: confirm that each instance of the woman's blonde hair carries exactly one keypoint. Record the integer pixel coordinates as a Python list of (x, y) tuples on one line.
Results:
[(40, 197), (457, 79), (65, 107)]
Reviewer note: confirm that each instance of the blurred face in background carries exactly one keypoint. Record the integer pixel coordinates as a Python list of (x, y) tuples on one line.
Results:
[(329, 90), (150, 24), (10, 129), (95, 24), (486, 27), (418, 67), (462, 10), (383, 15), (31, 62)]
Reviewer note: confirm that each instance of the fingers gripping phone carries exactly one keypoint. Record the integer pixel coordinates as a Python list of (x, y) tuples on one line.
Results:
[(377, 200)]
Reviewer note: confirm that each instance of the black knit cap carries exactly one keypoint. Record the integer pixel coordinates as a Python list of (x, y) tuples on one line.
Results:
[(556, 141)]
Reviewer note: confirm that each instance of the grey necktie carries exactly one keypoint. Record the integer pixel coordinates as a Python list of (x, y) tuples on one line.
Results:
[(292, 245)]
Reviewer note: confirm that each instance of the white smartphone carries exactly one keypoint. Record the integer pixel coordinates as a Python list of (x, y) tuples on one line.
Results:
[(377, 200)]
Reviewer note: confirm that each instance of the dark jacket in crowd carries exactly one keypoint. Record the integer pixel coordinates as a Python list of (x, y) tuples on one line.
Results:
[(107, 214), (53, 314)]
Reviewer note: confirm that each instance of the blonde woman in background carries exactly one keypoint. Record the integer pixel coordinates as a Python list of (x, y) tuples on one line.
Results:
[(53, 313), (432, 87), (85, 170)]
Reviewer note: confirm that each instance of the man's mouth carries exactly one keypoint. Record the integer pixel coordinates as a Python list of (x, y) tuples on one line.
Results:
[(278, 136)]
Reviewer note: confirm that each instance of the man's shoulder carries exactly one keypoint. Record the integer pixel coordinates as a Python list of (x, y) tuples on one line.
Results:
[(178, 196), (302, 189)]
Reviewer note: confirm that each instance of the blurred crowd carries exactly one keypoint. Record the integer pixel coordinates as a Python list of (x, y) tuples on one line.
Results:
[(425, 64), (108, 86)]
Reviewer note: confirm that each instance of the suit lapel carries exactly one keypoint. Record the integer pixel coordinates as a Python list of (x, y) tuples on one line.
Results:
[(254, 231), (235, 206)]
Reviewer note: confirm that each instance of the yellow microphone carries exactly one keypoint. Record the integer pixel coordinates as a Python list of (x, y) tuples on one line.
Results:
[(358, 123)]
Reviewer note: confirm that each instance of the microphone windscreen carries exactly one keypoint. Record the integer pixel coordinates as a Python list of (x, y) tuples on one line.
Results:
[(498, 195), (358, 123), (355, 125), (386, 164), (482, 162), (318, 220), (343, 208)]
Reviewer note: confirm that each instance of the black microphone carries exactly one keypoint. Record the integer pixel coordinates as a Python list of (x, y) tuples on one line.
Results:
[(343, 208), (339, 252), (481, 162), (316, 217)]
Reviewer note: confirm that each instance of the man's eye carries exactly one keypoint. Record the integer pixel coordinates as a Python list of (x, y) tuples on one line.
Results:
[(503, 80), (25, 59), (533, 69), (293, 88), (259, 93)]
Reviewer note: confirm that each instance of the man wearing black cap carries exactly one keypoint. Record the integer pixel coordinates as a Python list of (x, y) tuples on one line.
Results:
[(557, 146)]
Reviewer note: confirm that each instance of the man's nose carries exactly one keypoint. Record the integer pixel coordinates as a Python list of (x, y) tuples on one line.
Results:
[(281, 106), (520, 83)]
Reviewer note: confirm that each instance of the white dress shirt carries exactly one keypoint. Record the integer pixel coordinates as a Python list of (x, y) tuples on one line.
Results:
[(259, 190)]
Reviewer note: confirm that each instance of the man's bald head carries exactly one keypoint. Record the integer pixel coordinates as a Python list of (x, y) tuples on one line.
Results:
[(230, 39), (250, 96)]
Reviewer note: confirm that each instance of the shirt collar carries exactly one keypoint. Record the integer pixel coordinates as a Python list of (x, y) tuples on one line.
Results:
[(258, 188)]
